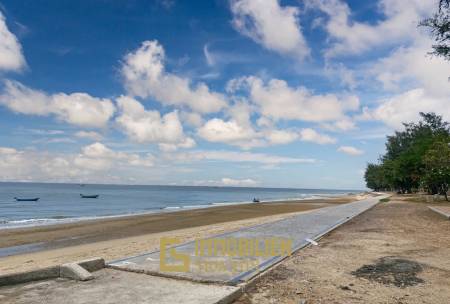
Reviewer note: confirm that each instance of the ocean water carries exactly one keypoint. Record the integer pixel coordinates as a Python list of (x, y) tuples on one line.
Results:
[(61, 203)]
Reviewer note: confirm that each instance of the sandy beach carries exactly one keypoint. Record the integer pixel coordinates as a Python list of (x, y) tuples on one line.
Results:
[(125, 236)]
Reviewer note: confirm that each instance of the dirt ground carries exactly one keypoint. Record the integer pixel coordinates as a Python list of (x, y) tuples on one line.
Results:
[(397, 252)]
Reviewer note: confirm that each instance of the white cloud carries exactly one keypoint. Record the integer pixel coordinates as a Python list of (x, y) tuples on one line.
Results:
[(11, 57), (341, 73), (99, 157), (350, 150), (275, 27), (145, 76), (94, 163), (89, 135), (218, 130), (145, 126), (405, 107), (233, 156), (315, 137), (412, 67), (79, 109), (277, 100), (191, 118), (281, 137), (353, 37), (345, 124), (240, 131), (226, 181), (210, 60)]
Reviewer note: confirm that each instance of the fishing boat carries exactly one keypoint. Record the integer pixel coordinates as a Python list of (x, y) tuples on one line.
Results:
[(35, 199), (89, 196), (256, 200)]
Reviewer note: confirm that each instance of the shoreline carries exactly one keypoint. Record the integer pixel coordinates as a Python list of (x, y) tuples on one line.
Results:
[(116, 238), (38, 222)]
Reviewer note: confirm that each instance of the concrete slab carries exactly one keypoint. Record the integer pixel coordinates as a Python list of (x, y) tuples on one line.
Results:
[(113, 286), (311, 225), (442, 210), (75, 272), (92, 264)]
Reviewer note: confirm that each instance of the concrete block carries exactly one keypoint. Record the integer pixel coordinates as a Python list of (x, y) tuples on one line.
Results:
[(75, 272), (442, 211), (34, 275), (93, 264)]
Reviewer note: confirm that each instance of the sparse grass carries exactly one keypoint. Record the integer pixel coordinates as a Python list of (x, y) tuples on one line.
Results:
[(385, 200)]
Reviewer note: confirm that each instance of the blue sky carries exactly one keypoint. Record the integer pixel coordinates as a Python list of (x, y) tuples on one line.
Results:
[(238, 93)]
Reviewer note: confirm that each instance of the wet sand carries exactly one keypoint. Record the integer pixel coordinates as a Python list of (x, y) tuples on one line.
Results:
[(125, 236)]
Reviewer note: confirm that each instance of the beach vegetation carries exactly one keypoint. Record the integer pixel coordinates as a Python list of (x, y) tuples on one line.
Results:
[(417, 158), (439, 25)]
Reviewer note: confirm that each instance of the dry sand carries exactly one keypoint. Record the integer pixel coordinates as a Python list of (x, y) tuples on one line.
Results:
[(126, 236), (397, 252)]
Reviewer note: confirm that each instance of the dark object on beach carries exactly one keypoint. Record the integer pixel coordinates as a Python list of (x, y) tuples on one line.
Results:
[(392, 270), (256, 200), (26, 199), (89, 196)]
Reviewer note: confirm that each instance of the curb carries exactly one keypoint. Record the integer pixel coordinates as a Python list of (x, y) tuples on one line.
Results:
[(446, 215), (52, 272)]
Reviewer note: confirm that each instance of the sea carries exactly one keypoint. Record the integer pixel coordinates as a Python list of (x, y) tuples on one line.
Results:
[(62, 203)]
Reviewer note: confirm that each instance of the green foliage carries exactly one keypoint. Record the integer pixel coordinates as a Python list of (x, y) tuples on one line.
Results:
[(385, 200), (417, 157), (439, 26), (437, 163)]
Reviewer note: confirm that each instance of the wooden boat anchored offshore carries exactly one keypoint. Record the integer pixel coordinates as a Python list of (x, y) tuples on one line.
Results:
[(35, 199), (89, 196)]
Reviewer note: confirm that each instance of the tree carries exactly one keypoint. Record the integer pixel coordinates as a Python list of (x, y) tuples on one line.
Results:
[(439, 26), (437, 163), (407, 166)]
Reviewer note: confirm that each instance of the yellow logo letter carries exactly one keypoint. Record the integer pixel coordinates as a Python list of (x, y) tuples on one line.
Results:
[(163, 266)]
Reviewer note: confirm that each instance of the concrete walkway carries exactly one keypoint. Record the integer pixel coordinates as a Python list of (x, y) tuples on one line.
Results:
[(299, 228), (116, 287)]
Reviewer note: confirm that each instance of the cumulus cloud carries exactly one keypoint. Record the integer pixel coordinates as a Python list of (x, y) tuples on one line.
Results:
[(353, 37), (240, 131), (277, 100), (405, 107), (144, 75), (273, 26), (231, 132), (79, 109), (97, 156), (315, 137), (94, 163), (11, 57), (145, 126), (350, 150), (412, 66)]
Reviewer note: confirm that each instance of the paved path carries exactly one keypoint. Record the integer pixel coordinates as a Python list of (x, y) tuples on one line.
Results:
[(298, 228)]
